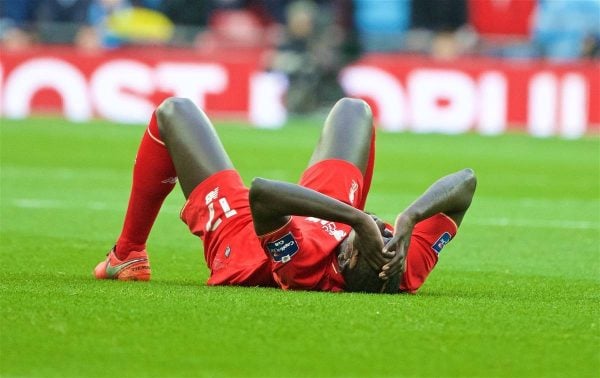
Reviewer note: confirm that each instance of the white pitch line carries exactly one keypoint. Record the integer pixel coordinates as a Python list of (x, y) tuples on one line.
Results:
[(537, 223), (29, 203)]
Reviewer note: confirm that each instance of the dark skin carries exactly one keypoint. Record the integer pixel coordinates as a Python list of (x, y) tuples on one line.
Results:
[(273, 203), (346, 136), (197, 153), (450, 195), (193, 144)]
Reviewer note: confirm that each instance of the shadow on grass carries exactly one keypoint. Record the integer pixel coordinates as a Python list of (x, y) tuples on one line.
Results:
[(466, 285)]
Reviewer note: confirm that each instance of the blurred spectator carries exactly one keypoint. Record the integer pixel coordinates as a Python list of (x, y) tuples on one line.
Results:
[(591, 47), (271, 11), (16, 23), (336, 46), (504, 27), (113, 23), (567, 29), (97, 34), (71, 11), (58, 21), (150, 4), (502, 19), (189, 16), (439, 15), (231, 29), (314, 37), (222, 24), (381, 24), (310, 55), (294, 56), (186, 12), (440, 28)]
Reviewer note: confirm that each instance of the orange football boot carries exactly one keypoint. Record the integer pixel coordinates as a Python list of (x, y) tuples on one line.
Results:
[(135, 267)]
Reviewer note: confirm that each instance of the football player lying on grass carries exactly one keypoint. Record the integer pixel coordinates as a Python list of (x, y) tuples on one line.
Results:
[(313, 235)]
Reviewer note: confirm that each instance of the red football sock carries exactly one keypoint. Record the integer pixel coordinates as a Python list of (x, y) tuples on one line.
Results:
[(368, 172), (153, 179)]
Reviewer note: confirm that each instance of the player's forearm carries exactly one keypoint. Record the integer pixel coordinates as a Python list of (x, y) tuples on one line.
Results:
[(271, 199), (450, 194)]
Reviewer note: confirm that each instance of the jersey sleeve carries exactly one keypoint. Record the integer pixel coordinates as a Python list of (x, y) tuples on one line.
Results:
[(303, 255), (428, 239)]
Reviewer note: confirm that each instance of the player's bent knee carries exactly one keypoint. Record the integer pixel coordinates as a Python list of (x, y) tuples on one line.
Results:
[(355, 106), (169, 109), (173, 105), (470, 179)]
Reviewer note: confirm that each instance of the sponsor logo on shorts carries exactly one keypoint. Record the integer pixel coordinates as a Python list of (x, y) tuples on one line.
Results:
[(282, 250), (441, 242), (212, 195), (352, 193)]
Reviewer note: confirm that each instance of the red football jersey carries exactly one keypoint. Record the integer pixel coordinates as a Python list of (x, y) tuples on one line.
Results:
[(304, 254), (426, 242), (304, 251)]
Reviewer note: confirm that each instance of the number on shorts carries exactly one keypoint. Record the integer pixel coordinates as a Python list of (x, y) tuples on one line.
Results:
[(213, 223)]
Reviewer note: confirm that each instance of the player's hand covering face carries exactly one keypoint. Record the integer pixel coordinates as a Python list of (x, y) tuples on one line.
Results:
[(398, 245), (358, 273), (367, 238)]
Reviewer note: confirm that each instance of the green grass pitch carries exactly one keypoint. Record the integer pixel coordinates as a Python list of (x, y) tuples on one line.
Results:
[(516, 294)]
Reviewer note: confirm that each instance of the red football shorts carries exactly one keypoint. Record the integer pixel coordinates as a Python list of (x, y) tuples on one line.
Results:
[(218, 212), (304, 251), (428, 238)]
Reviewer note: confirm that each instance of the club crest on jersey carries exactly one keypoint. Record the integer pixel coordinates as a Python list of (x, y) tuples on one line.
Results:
[(441, 242), (329, 227), (282, 250), (352, 192), (212, 195)]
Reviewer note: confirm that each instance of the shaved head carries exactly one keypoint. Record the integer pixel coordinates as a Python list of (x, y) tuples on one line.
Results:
[(359, 275)]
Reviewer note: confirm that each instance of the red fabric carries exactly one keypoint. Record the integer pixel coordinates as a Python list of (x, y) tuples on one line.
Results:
[(313, 242), (338, 179), (218, 212), (153, 179), (368, 173), (314, 265), (428, 235), (502, 17)]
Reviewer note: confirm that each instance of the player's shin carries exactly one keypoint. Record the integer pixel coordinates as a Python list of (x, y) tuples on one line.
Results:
[(153, 179)]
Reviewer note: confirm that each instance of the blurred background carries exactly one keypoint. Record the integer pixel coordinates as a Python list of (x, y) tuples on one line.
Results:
[(424, 65)]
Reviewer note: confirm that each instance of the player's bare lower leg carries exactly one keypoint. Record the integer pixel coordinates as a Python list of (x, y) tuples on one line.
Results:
[(192, 141), (347, 134), (194, 148)]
